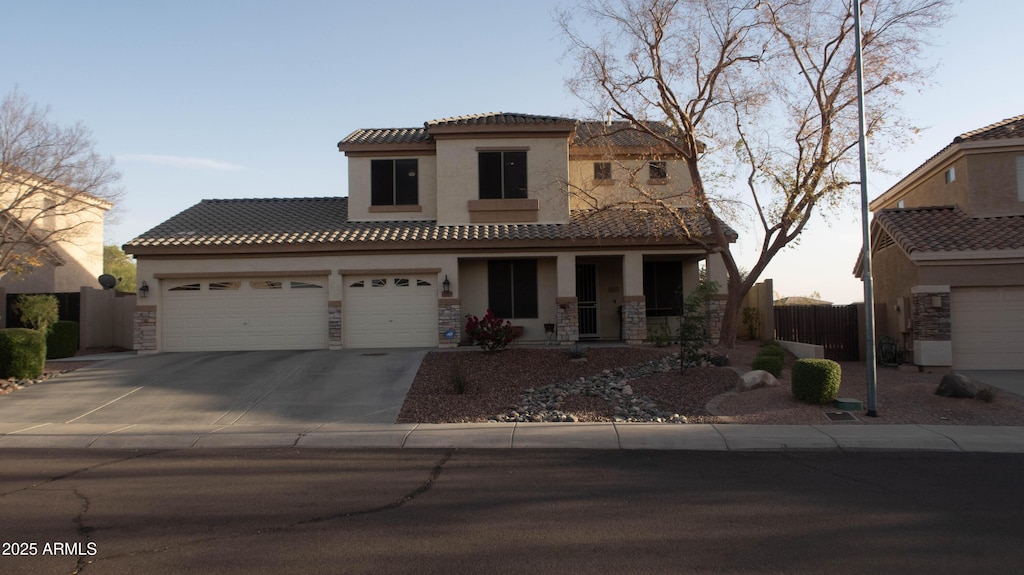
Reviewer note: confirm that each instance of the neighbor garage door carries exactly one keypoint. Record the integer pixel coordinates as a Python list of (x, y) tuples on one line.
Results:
[(987, 328), (244, 314), (390, 310)]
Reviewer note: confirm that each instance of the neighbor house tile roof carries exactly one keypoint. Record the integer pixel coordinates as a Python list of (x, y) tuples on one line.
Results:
[(498, 118), (947, 229), (308, 221), (619, 134), (1008, 128)]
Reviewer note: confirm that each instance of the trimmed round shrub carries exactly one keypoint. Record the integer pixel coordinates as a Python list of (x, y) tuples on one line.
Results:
[(816, 381), (773, 350), (22, 353), (62, 341), (769, 363)]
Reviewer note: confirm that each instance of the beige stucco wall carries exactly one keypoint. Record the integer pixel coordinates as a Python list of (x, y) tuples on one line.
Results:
[(934, 191), (359, 196), (584, 192), (457, 175), (993, 183), (893, 274), (977, 274), (81, 250)]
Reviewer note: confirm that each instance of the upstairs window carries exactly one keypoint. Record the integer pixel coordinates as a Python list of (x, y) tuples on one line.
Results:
[(950, 175), (602, 170), (502, 175), (658, 170), (1020, 178), (394, 182)]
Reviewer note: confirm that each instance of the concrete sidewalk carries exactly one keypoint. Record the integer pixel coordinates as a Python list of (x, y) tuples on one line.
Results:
[(692, 437)]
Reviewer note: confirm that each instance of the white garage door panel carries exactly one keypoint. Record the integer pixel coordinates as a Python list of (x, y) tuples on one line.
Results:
[(244, 316), (390, 311), (988, 328)]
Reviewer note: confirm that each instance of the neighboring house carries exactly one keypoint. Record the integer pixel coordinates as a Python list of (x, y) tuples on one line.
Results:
[(948, 253), (66, 239), (441, 221)]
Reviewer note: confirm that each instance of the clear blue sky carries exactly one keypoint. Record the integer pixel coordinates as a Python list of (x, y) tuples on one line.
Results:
[(231, 99)]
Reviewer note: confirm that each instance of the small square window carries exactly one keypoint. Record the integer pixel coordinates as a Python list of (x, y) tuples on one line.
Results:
[(602, 170), (899, 204), (658, 170), (950, 175)]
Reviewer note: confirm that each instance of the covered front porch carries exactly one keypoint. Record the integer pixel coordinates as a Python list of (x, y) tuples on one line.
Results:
[(568, 297)]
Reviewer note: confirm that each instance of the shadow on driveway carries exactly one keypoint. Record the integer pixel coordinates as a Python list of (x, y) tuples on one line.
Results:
[(225, 388)]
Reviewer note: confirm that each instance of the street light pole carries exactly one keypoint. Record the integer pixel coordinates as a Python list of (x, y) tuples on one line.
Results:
[(869, 294)]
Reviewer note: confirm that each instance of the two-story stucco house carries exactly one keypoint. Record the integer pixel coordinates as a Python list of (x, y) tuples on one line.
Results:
[(458, 216), (61, 233), (948, 253)]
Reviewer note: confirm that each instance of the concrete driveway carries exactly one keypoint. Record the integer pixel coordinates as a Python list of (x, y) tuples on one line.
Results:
[(1011, 380), (225, 388)]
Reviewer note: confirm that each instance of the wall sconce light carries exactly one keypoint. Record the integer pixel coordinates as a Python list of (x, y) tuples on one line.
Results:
[(143, 289), (446, 286)]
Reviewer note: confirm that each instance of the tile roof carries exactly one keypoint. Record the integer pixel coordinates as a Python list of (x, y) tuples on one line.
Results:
[(947, 229), (387, 136), (1008, 128), (619, 134), (498, 118), (310, 221)]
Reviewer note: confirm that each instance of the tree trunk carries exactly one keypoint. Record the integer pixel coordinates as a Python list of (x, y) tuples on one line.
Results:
[(731, 318)]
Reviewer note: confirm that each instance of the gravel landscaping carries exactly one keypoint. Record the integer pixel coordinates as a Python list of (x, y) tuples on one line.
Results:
[(642, 383)]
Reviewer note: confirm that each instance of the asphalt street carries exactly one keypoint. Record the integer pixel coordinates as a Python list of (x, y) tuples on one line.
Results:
[(481, 511)]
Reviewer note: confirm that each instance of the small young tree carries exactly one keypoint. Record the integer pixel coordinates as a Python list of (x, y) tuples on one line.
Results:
[(693, 325), (120, 265), (39, 312)]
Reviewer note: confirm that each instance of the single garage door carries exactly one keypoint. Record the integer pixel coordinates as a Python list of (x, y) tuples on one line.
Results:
[(987, 327), (244, 314), (390, 310)]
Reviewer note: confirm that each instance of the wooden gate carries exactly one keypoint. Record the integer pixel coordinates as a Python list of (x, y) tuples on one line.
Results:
[(833, 327)]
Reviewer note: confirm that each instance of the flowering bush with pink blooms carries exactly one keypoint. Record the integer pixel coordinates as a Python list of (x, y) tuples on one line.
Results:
[(491, 332)]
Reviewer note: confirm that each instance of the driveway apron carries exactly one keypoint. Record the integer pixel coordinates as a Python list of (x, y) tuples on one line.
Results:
[(225, 388)]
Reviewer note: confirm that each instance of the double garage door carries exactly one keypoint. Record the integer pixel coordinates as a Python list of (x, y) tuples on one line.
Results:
[(393, 310), (987, 328)]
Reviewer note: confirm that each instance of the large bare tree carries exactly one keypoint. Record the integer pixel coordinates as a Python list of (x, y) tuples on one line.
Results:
[(759, 92), (53, 185)]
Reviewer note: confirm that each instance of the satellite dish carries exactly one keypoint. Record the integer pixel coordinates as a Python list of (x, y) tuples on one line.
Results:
[(107, 281)]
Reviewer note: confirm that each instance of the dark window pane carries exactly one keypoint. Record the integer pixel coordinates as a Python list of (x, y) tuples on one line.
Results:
[(490, 175), (658, 171), (602, 170), (524, 288), (515, 174), (406, 182), (663, 284), (499, 287), (382, 182)]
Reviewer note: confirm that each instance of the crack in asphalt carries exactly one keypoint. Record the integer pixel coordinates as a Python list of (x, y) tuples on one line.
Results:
[(83, 531), (75, 472), (424, 487)]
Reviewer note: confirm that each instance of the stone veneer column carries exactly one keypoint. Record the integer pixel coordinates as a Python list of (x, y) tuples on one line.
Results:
[(634, 319), (144, 324), (567, 320), (334, 333), (932, 328), (449, 316), (716, 311)]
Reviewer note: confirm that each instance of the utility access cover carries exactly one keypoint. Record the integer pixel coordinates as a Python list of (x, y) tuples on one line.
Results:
[(840, 417)]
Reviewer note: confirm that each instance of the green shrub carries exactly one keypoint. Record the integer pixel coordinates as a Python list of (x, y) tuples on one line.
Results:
[(773, 350), (769, 363), (62, 340), (816, 381), (22, 353), (39, 311)]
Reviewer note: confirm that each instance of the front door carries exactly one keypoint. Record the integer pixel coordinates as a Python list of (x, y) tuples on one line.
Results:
[(586, 297)]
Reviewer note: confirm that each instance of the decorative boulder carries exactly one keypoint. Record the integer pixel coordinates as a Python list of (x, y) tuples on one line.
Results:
[(757, 379), (955, 384)]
